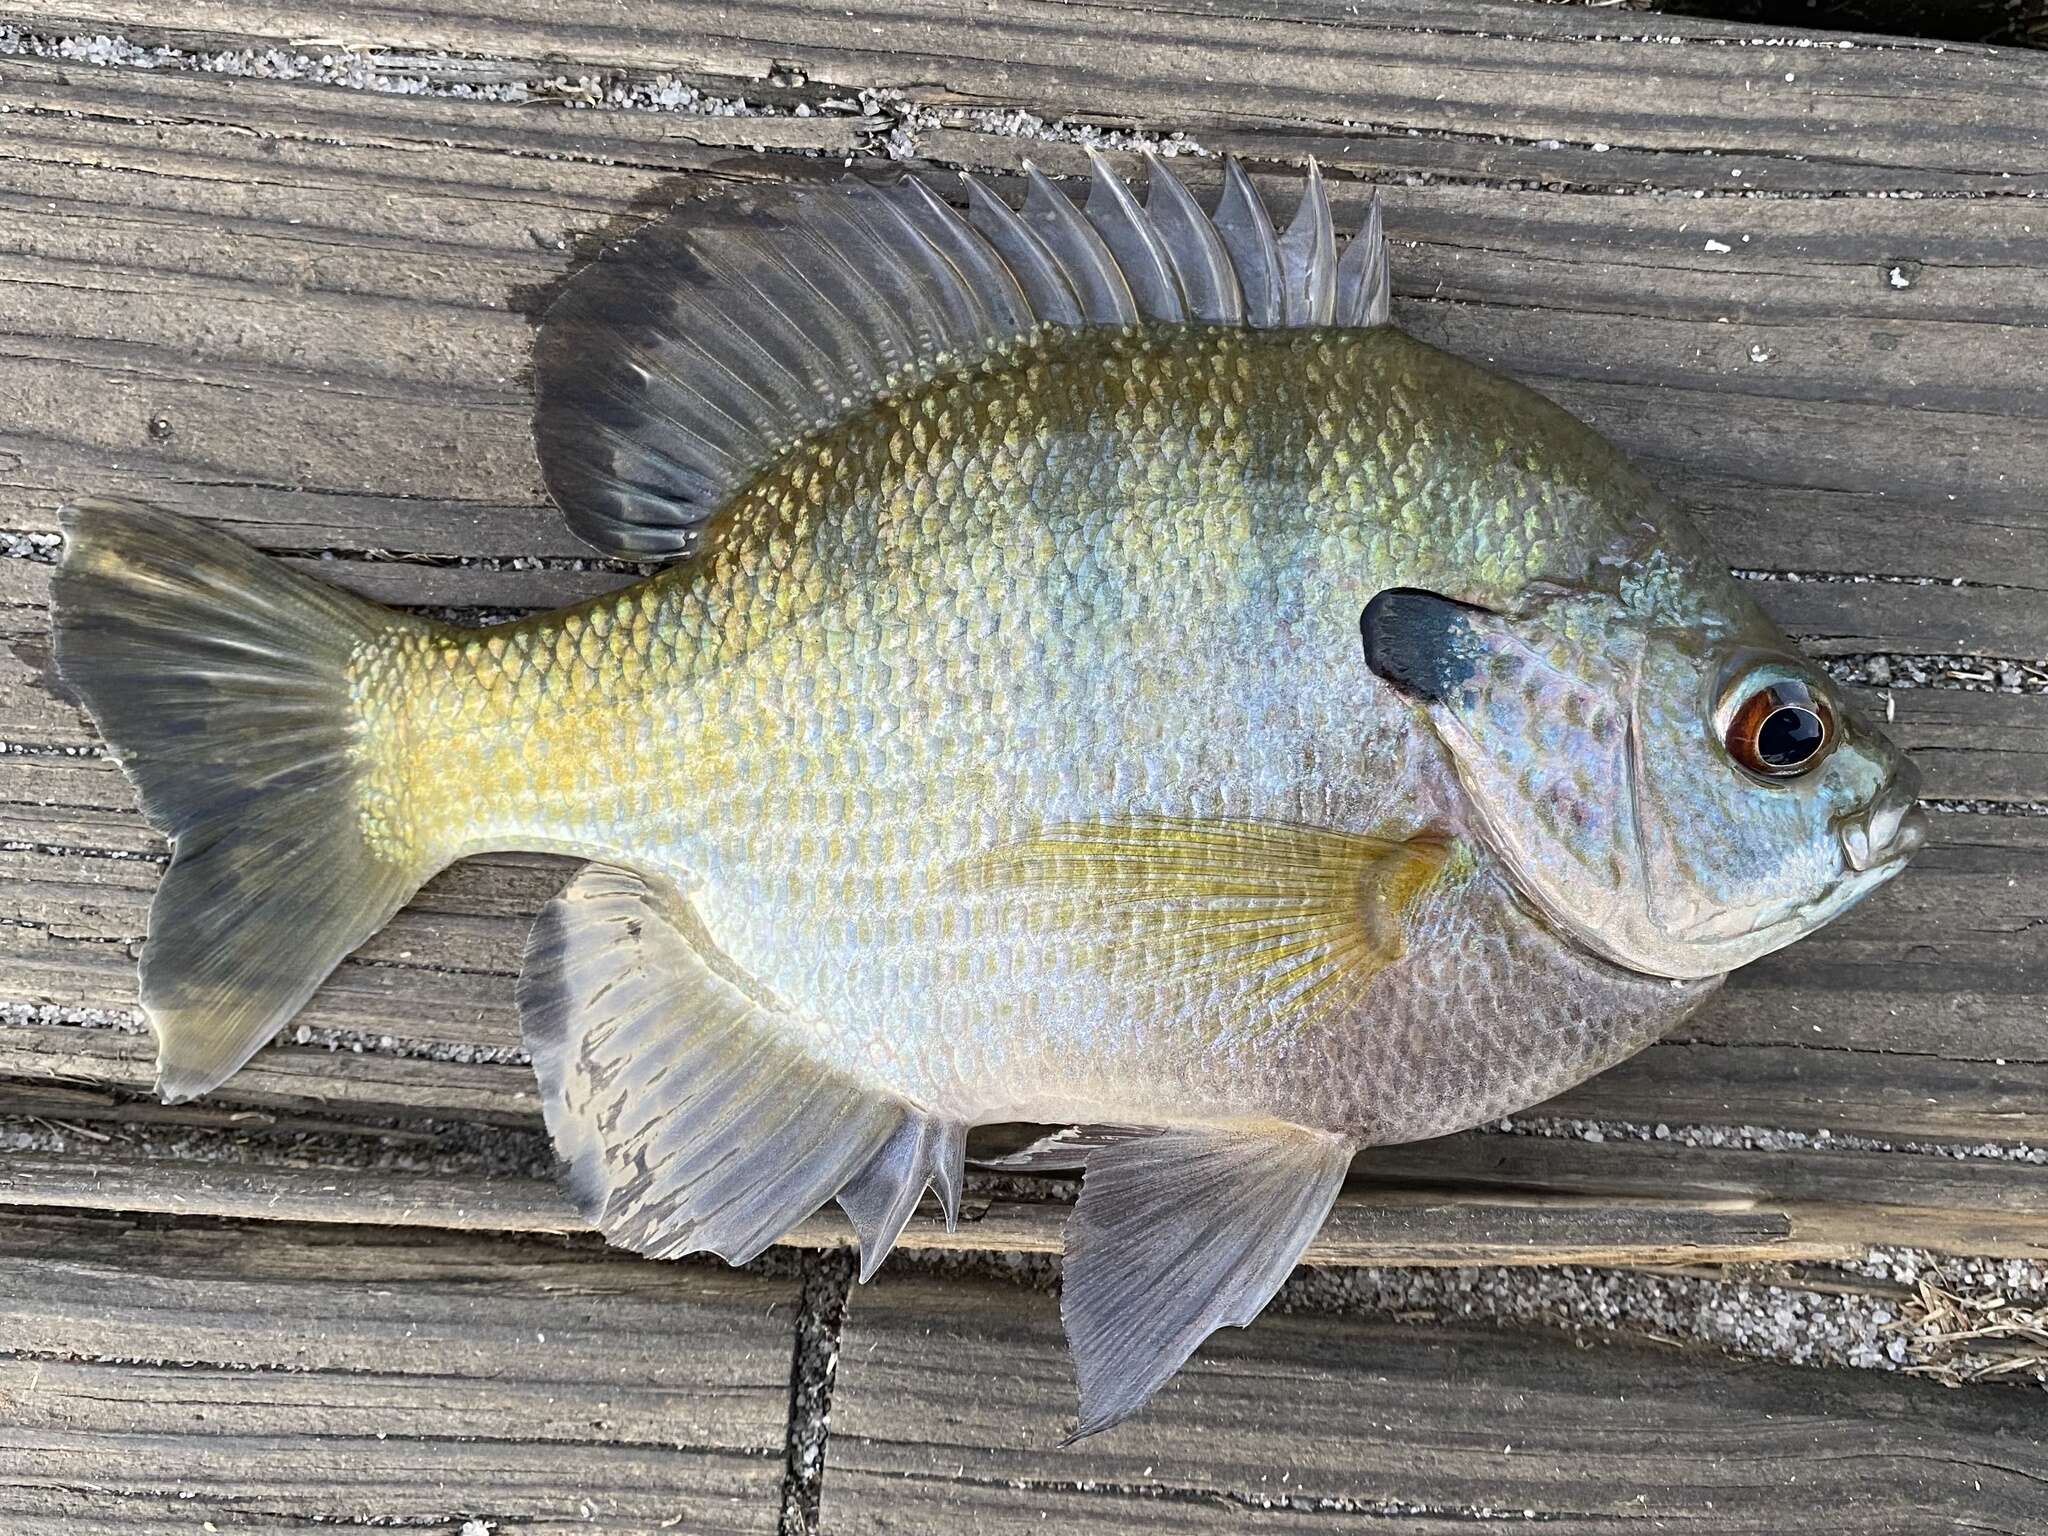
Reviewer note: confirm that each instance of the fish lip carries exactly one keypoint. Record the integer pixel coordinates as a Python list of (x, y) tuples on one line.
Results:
[(1889, 830)]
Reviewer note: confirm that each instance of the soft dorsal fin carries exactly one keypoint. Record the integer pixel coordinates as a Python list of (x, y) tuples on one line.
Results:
[(679, 365)]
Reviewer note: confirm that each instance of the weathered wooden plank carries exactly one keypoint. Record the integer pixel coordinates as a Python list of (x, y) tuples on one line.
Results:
[(1475, 1198), (1583, 79), (293, 1077), (322, 295), (1926, 1190), (157, 1377), (1486, 1203), (951, 1399), (1378, 1227), (391, 378)]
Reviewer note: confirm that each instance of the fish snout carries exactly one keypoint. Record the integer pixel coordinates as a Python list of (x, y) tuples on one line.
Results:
[(1889, 829)]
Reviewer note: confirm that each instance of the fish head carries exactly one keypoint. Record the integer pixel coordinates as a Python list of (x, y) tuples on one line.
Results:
[(1679, 798)]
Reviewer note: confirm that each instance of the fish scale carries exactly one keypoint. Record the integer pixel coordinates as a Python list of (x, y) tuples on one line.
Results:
[(1245, 741)]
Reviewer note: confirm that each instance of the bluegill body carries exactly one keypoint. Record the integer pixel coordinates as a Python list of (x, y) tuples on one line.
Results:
[(1108, 677)]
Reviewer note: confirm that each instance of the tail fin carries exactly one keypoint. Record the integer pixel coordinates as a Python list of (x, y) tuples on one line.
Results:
[(219, 678)]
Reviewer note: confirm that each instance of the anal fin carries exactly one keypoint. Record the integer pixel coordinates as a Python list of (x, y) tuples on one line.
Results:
[(690, 1115), (1178, 1233), (880, 1198)]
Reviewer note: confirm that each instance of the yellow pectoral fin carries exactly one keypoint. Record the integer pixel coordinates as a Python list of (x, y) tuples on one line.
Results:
[(1272, 913)]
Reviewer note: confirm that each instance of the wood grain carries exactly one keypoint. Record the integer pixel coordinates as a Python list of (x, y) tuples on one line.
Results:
[(1476, 1198), (1256, 64), (1369, 1225), (952, 1398), (322, 300), (276, 1377), (305, 313)]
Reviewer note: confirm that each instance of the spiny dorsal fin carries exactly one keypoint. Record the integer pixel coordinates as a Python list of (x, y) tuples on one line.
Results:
[(681, 364)]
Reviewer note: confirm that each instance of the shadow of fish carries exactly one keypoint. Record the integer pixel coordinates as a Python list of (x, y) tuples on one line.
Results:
[(1107, 675)]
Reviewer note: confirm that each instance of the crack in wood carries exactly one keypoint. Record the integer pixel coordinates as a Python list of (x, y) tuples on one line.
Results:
[(827, 1276)]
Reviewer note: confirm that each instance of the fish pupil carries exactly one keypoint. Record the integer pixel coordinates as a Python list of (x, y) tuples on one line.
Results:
[(1789, 736)]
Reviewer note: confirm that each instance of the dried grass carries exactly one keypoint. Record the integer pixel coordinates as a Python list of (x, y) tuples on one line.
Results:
[(1957, 1338)]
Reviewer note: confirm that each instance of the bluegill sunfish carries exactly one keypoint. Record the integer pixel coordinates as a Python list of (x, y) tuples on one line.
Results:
[(1106, 675)]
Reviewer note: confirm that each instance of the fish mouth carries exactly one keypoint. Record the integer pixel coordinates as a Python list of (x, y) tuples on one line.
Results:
[(1889, 830)]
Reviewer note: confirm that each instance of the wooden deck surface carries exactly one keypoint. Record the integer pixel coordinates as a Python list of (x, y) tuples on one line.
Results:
[(305, 312), (952, 1399)]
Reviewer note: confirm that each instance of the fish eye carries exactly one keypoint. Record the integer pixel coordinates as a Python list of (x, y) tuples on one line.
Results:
[(1780, 730)]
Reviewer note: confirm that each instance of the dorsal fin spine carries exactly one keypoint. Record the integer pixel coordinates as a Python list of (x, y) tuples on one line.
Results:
[(965, 316), (1308, 256), (1104, 291), (1134, 244), (925, 284), (1362, 297), (1044, 281), (982, 271), (1246, 229), (842, 224), (1199, 257)]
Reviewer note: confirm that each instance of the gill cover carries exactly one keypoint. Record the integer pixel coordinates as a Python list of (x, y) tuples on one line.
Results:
[(1588, 741), (1536, 722)]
